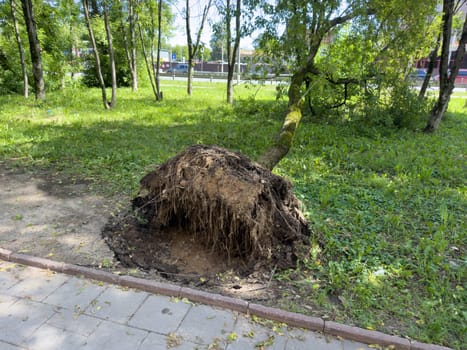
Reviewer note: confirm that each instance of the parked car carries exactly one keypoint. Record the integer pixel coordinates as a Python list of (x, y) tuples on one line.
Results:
[(420, 73), (461, 77), (179, 68)]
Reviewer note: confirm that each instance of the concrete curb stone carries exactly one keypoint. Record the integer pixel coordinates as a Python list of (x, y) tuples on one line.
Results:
[(415, 345), (98, 275), (365, 335), (290, 318), (36, 262), (214, 299), (293, 319), (5, 254), (149, 286)]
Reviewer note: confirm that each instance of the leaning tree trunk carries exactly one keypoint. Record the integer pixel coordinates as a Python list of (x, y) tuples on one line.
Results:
[(35, 49), (113, 72), (430, 68), (20, 49), (96, 54), (146, 60), (284, 141), (446, 85)]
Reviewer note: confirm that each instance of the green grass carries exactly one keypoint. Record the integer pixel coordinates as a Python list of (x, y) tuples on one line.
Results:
[(387, 207)]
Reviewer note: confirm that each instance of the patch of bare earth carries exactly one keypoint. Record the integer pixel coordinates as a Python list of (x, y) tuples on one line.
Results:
[(51, 216)]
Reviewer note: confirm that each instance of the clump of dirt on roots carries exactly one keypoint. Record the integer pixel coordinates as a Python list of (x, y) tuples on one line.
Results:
[(208, 210)]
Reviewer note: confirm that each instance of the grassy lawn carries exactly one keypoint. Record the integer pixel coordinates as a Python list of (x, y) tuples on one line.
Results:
[(388, 208)]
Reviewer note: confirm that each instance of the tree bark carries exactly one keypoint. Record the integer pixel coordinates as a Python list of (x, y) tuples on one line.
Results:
[(232, 51), (158, 55), (431, 65), (446, 82), (113, 72), (284, 140), (146, 60), (96, 54), (155, 73), (20, 49), (35, 49)]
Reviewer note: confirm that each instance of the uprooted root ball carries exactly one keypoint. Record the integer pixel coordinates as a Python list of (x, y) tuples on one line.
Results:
[(229, 204)]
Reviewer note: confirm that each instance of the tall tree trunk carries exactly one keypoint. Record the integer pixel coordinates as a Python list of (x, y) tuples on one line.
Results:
[(232, 51), (113, 71), (35, 49), (130, 50), (158, 55), (134, 66), (431, 66), (189, 87), (228, 35), (96, 54), (20, 49), (155, 73), (446, 81), (193, 48)]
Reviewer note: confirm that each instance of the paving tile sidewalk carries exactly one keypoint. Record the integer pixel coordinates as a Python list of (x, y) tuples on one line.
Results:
[(44, 310)]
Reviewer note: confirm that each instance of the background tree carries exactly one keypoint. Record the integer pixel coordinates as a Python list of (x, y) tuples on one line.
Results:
[(233, 42), (20, 49), (111, 103), (181, 51), (194, 46), (113, 72), (157, 66), (218, 41), (147, 28), (446, 76), (129, 18), (35, 49), (432, 58)]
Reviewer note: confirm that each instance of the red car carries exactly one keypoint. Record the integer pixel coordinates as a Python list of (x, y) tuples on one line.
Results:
[(461, 77)]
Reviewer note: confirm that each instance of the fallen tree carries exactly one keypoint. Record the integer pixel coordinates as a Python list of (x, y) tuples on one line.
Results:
[(232, 206)]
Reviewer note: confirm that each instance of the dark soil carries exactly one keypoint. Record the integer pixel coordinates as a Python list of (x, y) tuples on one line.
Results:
[(209, 215)]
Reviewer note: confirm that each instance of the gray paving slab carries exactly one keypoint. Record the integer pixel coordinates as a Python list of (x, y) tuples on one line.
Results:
[(77, 314), (112, 336), (174, 341), (6, 346), (75, 322), (159, 314), (204, 324), (48, 337), (19, 320), (351, 345), (7, 277), (117, 304), (249, 335), (38, 285), (75, 294), (304, 340), (6, 300)]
